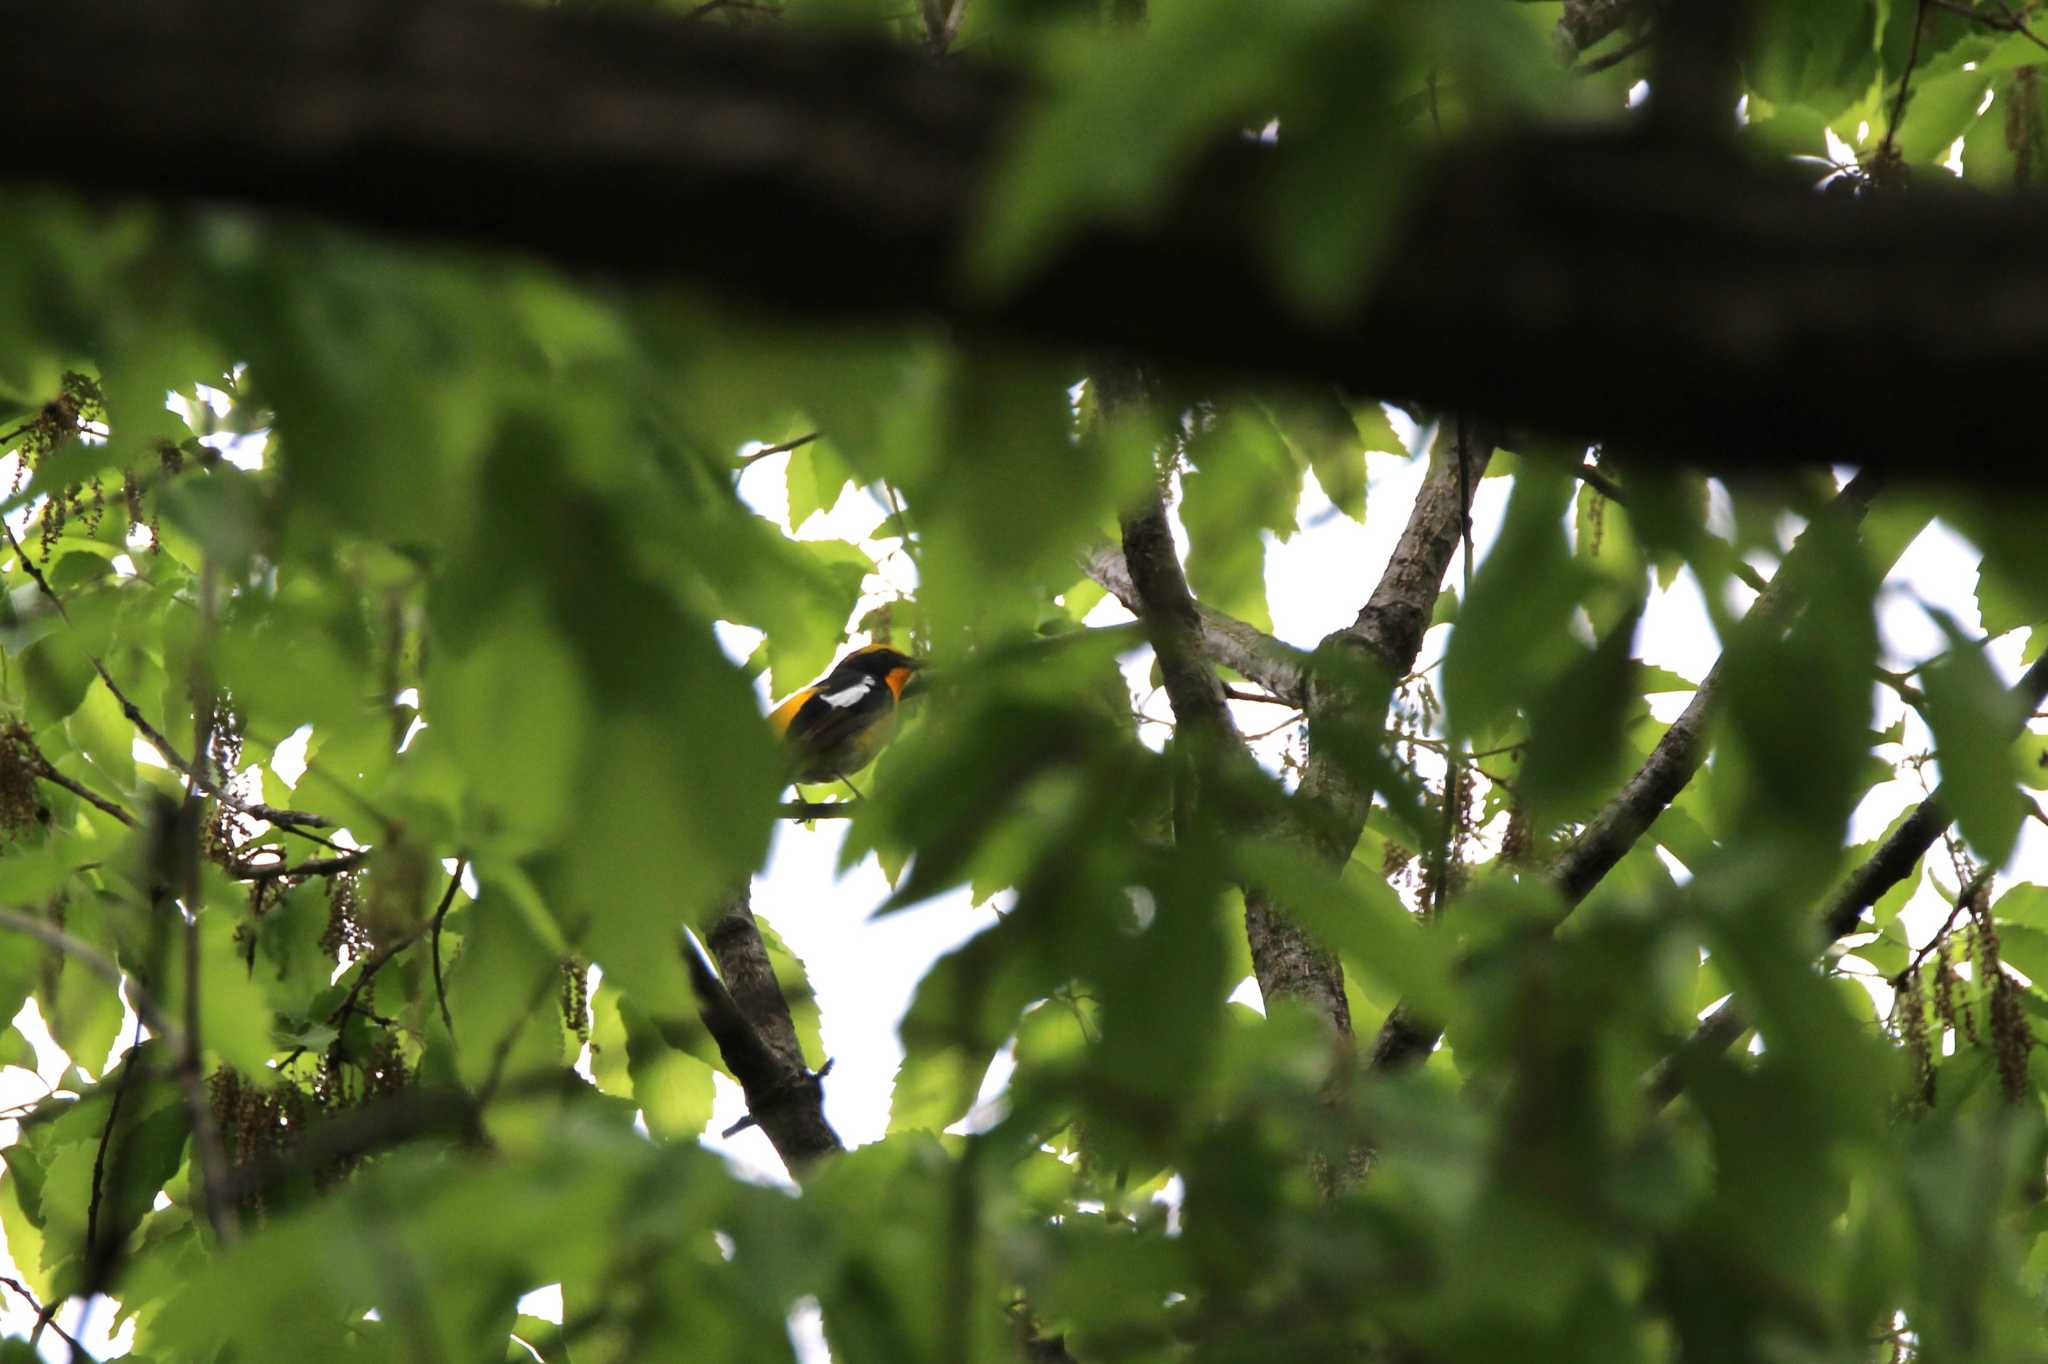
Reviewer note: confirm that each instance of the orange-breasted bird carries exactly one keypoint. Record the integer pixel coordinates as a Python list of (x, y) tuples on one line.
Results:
[(841, 722)]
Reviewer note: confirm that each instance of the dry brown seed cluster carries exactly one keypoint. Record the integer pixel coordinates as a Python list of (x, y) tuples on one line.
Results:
[(21, 806), (384, 1073), (397, 891), (257, 1124), (1966, 1014), (1596, 522), (2005, 1030), (1909, 1020), (1515, 839), (345, 931), (2011, 1037), (78, 401), (131, 497), (576, 997), (1397, 866), (1944, 986)]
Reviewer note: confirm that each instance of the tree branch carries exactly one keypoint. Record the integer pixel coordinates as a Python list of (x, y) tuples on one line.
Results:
[(1173, 625), (750, 1020), (284, 819), (1893, 861), (1387, 634), (1335, 798), (434, 946), (49, 773), (281, 870), (1608, 836), (1245, 649), (817, 809), (611, 132)]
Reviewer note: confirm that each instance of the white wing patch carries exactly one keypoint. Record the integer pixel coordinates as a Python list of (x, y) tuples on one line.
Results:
[(847, 696)]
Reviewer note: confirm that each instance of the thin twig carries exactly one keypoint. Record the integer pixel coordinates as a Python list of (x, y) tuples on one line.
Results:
[(1288, 723), (95, 961), (1962, 906), (371, 965), (1593, 477), (2008, 22), (99, 1260), (441, 913), (502, 1053), (7, 441), (799, 442), (50, 774), (818, 809), (1595, 65), (293, 820), (326, 866), (1905, 80), (46, 1316)]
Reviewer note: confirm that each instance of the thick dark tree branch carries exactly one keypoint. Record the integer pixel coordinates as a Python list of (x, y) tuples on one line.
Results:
[(1161, 599), (743, 1007), (840, 178), (1674, 760), (1174, 626)]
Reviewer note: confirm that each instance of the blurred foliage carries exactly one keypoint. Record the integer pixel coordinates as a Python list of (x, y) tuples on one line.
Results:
[(430, 563)]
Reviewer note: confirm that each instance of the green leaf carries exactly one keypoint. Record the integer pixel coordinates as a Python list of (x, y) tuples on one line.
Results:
[(673, 1088), (1512, 635), (1244, 484), (965, 1008), (1796, 766), (1968, 712), (1819, 55), (56, 672), (2002, 604), (816, 478), (517, 709), (1942, 107), (1321, 432), (1575, 730)]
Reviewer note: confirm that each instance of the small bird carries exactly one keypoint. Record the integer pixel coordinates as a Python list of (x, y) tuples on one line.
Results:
[(840, 723)]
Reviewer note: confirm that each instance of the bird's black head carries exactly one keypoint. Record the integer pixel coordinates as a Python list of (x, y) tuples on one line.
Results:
[(882, 663)]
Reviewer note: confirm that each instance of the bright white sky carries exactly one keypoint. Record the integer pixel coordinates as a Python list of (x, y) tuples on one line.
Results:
[(864, 969)]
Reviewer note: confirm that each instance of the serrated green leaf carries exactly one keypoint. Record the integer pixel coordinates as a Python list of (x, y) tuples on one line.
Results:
[(1968, 712)]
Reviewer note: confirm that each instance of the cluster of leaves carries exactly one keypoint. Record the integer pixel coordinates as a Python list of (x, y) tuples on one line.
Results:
[(414, 589)]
